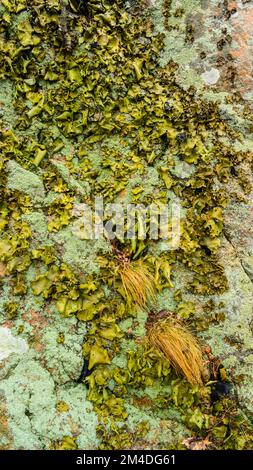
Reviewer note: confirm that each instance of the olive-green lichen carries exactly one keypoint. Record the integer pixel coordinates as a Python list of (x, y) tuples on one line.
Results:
[(104, 113)]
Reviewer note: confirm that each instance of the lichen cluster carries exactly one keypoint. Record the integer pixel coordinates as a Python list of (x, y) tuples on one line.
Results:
[(95, 114)]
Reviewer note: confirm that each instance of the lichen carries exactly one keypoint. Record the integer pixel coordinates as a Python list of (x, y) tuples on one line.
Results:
[(80, 253), (25, 181), (33, 418), (7, 110), (90, 111)]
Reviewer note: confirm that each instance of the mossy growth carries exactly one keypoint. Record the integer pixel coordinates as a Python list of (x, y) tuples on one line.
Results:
[(180, 347)]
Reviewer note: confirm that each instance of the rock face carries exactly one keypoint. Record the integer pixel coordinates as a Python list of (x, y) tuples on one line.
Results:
[(237, 258), (40, 394), (41, 401), (212, 42)]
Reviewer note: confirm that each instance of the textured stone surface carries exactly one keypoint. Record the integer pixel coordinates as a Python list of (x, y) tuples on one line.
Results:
[(218, 61), (214, 55)]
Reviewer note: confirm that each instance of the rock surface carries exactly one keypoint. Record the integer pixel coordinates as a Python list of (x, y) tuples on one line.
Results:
[(41, 402)]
